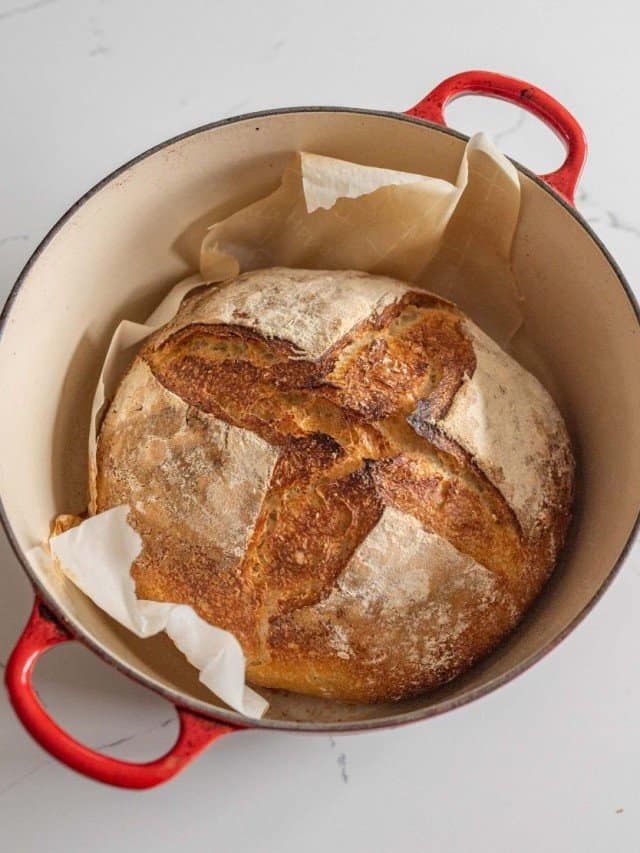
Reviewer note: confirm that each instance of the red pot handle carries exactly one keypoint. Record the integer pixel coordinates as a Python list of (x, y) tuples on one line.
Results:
[(565, 179), (41, 634)]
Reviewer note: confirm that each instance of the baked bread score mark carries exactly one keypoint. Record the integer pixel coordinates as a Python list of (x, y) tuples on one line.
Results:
[(313, 461)]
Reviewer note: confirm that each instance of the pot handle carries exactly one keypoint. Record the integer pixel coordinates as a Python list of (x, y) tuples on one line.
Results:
[(41, 633), (565, 179)]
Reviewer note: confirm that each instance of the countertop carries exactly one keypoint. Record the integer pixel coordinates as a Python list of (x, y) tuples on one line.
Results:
[(548, 763)]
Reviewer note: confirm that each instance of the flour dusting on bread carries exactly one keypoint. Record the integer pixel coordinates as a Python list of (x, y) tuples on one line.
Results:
[(312, 310), (510, 426)]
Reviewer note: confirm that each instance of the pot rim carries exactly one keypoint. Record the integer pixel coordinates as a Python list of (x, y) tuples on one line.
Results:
[(227, 715)]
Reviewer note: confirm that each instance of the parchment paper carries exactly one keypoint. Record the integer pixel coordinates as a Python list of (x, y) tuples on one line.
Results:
[(452, 239), (97, 556)]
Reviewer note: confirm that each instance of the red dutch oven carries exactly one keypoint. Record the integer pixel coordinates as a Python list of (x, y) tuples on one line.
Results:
[(116, 251)]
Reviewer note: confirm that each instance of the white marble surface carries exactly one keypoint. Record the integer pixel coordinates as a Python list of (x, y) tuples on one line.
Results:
[(548, 763)]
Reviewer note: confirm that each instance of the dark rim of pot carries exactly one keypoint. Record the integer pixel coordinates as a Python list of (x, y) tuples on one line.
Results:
[(230, 716)]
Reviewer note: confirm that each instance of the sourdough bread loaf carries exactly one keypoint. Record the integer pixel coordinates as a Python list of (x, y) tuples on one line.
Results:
[(345, 472)]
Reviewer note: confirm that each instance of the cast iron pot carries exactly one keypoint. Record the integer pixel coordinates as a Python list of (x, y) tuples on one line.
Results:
[(116, 252)]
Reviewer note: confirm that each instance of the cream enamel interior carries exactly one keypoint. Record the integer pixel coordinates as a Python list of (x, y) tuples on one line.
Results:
[(118, 252)]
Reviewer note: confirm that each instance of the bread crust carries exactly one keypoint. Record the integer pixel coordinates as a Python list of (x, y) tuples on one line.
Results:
[(369, 497)]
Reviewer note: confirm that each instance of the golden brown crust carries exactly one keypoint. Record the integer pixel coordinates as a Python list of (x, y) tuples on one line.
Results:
[(316, 504)]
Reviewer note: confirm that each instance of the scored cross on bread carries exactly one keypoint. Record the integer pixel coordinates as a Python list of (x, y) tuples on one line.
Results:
[(344, 472)]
